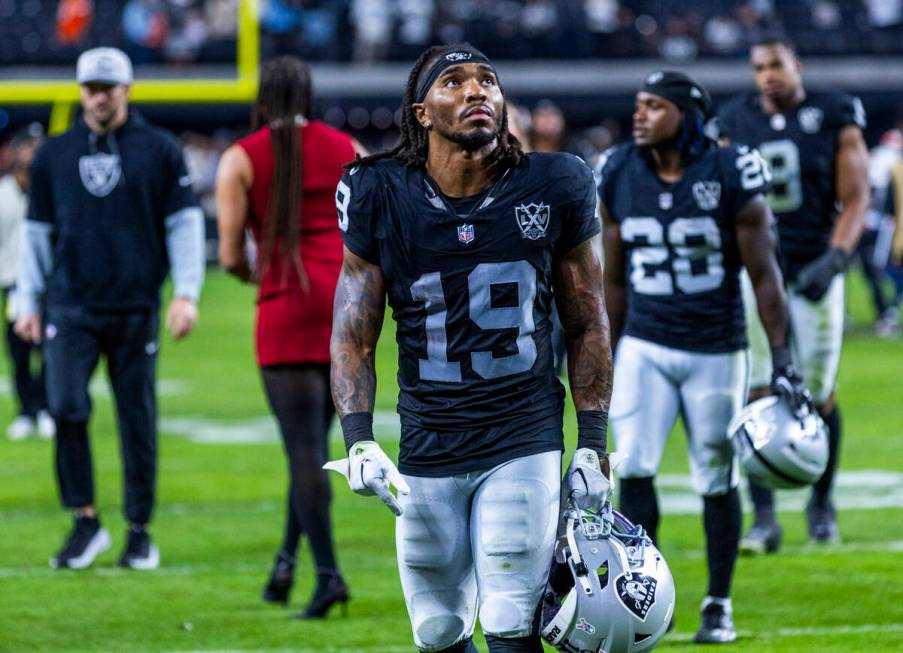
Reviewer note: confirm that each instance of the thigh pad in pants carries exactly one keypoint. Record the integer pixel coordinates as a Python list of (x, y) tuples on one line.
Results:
[(645, 403), (513, 525)]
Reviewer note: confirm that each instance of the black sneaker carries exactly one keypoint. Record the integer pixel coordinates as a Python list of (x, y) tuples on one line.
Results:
[(86, 541), (763, 537), (717, 624), (282, 577), (140, 552), (821, 519)]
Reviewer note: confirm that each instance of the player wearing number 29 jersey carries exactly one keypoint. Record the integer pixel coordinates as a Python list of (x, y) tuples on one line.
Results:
[(800, 147), (470, 285), (813, 143)]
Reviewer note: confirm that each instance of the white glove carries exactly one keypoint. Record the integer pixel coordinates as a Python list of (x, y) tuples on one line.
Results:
[(370, 471), (586, 484)]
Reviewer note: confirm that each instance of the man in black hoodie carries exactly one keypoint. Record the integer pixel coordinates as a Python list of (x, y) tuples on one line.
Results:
[(111, 212)]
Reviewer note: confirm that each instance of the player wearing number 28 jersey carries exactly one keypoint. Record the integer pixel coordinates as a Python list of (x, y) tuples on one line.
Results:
[(466, 238), (814, 146), (680, 217)]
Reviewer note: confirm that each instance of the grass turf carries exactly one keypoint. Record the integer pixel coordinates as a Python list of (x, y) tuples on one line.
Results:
[(220, 515)]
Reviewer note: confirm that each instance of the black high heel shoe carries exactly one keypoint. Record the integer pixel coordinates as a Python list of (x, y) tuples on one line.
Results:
[(331, 589), (282, 577)]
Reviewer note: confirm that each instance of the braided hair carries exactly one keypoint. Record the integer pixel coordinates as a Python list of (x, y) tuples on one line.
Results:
[(413, 146), (691, 140)]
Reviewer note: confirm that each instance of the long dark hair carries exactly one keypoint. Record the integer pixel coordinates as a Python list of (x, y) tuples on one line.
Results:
[(413, 146), (284, 100)]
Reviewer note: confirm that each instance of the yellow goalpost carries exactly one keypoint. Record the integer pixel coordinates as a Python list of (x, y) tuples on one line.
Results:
[(63, 95)]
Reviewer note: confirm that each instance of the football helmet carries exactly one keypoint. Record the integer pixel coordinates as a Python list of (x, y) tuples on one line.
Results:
[(609, 590), (777, 449)]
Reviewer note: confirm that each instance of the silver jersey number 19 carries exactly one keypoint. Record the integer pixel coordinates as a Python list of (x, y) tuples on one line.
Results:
[(428, 289)]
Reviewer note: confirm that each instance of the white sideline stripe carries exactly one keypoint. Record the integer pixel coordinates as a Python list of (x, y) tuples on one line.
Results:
[(815, 631), (261, 430), (100, 389), (100, 569)]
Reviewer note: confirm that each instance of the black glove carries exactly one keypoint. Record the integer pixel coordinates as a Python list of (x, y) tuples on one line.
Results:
[(815, 279), (787, 384)]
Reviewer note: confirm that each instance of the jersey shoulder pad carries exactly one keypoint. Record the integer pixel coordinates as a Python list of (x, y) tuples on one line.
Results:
[(610, 161), (730, 112), (744, 169), (572, 176), (838, 109)]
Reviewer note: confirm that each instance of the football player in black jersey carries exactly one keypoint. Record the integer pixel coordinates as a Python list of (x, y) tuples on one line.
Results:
[(813, 143), (466, 237), (680, 217)]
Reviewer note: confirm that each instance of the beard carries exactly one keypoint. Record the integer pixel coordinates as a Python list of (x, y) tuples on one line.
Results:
[(474, 139)]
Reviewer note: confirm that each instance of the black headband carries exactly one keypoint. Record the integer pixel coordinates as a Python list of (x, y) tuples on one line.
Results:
[(452, 57), (681, 90)]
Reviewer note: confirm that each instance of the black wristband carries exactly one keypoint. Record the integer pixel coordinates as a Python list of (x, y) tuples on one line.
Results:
[(357, 427), (781, 358), (592, 430)]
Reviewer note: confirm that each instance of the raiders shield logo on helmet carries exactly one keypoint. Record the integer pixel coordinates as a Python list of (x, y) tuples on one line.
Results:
[(636, 592), (100, 173), (532, 219)]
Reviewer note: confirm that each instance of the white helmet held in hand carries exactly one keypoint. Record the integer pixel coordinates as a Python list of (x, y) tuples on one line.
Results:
[(610, 589), (776, 448)]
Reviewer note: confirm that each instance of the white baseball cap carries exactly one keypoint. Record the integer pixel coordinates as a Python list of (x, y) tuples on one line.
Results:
[(104, 65)]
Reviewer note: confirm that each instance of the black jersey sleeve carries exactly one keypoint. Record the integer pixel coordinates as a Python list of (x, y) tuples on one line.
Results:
[(606, 173), (40, 191), (356, 200), (745, 175), (847, 110), (579, 218), (177, 182), (726, 118)]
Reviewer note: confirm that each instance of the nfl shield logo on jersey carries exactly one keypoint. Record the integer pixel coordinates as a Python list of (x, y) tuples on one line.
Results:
[(100, 173), (465, 233), (707, 194), (532, 219)]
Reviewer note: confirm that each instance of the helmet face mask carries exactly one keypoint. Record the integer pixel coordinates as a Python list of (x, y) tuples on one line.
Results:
[(777, 449), (610, 589)]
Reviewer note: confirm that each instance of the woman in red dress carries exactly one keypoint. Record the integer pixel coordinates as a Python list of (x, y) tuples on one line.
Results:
[(279, 183)]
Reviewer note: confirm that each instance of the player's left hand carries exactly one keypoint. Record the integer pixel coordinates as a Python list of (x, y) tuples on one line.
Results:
[(589, 479), (788, 385), (815, 279), (181, 317)]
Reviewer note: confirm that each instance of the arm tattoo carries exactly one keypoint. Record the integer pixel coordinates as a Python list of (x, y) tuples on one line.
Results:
[(581, 306), (357, 320)]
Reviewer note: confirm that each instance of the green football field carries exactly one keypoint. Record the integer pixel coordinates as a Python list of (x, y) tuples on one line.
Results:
[(221, 504)]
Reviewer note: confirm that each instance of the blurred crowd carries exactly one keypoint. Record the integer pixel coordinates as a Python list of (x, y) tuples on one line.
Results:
[(543, 127), (178, 32)]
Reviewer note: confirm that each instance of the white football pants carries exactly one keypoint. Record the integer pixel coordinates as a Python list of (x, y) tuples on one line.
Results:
[(816, 330), (483, 539), (653, 384)]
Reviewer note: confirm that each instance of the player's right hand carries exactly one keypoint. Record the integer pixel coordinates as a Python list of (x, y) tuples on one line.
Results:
[(787, 384), (370, 471), (28, 328)]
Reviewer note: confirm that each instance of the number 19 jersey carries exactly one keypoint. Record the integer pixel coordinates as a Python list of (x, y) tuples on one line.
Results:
[(800, 146), (471, 294), (680, 247)]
